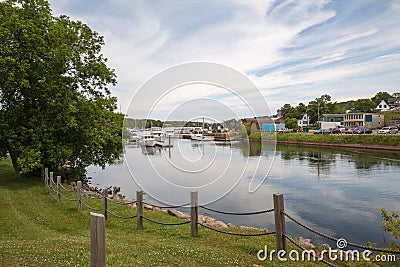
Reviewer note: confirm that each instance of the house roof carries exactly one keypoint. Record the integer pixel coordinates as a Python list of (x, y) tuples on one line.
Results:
[(382, 102), (393, 100), (332, 115), (301, 116), (349, 106), (264, 119)]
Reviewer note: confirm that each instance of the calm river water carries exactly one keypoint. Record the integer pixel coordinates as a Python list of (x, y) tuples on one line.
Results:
[(335, 191)]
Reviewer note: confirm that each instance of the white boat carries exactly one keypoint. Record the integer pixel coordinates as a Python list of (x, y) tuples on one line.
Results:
[(196, 135), (134, 139), (148, 140), (157, 133)]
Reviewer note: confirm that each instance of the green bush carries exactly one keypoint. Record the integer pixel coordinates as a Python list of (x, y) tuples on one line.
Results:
[(255, 136)]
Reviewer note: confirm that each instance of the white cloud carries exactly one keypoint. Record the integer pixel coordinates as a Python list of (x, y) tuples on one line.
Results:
[(285, 47)]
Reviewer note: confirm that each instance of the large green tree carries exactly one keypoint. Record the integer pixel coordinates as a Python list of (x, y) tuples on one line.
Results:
[(381, 96), (364, 105), (55, 106), (318, 107), (289, 112)]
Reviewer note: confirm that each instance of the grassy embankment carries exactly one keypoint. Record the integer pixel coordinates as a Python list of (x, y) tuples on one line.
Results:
[(35, 230), (342, 139), (382, 140)]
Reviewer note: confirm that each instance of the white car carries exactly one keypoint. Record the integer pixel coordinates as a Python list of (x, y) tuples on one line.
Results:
[(388, 130), (342, 128)]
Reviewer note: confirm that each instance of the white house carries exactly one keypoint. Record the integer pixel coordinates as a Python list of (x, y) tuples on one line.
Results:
[(382, 106), (303, 120)]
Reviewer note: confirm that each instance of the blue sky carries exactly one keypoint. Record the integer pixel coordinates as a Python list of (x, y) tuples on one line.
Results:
[(294, 51)]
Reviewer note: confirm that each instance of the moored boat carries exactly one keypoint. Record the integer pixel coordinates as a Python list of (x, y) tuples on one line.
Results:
[(196, 135), (222, 137), (148, 140)]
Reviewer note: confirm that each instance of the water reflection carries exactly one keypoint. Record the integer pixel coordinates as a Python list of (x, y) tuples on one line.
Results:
[(322, 158), (153, 151), (333, 190)]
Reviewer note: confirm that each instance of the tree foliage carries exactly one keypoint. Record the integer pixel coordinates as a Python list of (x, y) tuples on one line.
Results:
[(55, 105), (364, 105), (289, 112), (381, 96), (291, 123), (318, 107), (245, 130), (391, 224)]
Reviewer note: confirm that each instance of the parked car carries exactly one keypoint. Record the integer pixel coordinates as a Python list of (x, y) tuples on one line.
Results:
[(388, 130), (322, 131), (285, 130), (342, 128), (363, 131), (351, 131), (334, 131)]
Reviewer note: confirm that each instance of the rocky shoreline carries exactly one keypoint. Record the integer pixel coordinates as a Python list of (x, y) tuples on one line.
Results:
[(203, 219), (90, 191)]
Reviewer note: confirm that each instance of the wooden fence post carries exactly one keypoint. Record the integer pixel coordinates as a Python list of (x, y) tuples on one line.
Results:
[(105, 203), (139, 209), (58, 188), (51, 182), (46, 176), (280, 227), (194, 213), (79, 195), (97, 240)]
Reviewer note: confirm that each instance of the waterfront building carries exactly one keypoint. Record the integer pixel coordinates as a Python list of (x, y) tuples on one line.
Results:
[(332, 118), (365, 120)]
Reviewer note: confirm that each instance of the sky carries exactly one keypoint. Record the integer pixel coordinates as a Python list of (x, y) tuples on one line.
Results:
[(293, 51)]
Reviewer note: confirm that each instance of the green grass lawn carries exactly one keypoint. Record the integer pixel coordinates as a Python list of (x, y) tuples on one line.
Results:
[(36, 230)]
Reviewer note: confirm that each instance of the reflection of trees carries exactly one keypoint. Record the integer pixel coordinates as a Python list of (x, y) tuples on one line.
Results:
[(364, 162), (318, 158), (322, 158), (250, 149), (255, 149)]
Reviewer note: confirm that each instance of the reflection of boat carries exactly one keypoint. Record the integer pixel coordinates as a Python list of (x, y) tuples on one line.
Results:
[(151, 150), (148, 140)]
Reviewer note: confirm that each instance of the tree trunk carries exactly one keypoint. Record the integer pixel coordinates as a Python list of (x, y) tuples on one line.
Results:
[(14, 158)]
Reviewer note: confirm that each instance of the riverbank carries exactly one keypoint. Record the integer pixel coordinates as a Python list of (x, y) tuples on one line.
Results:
[(39, 231), (376, 142)]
